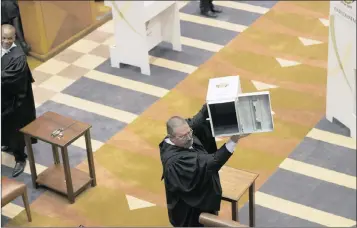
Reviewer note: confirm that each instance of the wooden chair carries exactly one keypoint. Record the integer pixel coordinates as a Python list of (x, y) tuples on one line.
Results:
[(210, 220), (12, 189)]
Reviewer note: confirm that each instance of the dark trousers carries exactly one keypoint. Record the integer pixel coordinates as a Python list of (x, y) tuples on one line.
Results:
[(206, 5), (14, 140), (20, 155)]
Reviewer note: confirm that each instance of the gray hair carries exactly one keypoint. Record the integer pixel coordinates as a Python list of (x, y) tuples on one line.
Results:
[(173, 123)]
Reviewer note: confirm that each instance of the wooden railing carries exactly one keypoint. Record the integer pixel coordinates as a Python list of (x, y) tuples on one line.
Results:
[(210, 220)]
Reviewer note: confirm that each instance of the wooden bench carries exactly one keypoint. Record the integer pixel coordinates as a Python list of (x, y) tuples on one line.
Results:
[(235, 183), (210, 220), (12, 189)]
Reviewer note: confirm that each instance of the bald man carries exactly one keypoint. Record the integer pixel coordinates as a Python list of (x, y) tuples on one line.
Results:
[(17, 101), (190, 168)]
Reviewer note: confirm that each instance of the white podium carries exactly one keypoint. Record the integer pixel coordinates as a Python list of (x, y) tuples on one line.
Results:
[(139, 27), (341, 80), (232, 112)]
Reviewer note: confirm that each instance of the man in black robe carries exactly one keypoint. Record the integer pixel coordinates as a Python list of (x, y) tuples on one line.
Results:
[(191, 163), (17, 100), (10, 14), (208, 9)]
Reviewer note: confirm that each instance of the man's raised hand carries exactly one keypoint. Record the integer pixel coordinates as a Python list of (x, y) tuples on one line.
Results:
[(235, 138)]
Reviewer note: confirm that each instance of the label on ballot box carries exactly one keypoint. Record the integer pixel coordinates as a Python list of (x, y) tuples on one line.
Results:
[(223, 88), (232, 112)]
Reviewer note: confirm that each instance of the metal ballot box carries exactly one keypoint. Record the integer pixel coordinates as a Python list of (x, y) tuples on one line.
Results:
[(232, 112)]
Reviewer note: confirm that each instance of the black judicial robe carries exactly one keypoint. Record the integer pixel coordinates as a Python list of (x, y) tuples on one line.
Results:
[(191, 175), (17, 100), (204, 134)]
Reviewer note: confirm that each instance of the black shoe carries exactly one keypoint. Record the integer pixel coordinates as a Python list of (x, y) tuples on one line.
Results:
[(216, 10), (209, 14), (5, 148), (19, 168)]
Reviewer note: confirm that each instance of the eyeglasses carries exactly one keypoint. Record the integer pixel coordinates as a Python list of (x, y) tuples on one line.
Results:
[(185, 136)]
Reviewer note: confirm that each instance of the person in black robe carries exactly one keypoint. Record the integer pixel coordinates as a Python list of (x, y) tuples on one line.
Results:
[(17, 100), (208, 9), (10, 14), (191, 163)]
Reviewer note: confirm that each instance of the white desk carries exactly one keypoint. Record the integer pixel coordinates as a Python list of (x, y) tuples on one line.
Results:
[(140, 26), (341, 80)]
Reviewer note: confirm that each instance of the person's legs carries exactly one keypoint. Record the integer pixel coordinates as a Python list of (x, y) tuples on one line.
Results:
[(17, 146), (204, 5), (206, 9), (13, 17), (20, 37), (20, 155), (213, 8), (4, 135), (4, 147)]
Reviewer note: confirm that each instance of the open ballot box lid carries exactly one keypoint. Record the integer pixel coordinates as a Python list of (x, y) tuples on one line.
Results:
[(232, 112)]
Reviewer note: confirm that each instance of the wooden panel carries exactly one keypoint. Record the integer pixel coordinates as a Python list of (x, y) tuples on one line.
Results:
[(64, 19), (32, 22), (50, 24)]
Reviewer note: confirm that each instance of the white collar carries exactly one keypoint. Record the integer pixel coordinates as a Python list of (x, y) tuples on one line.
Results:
[(167, 140), (5, 51)]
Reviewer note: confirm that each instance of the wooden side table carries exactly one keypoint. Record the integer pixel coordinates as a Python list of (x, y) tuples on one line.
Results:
[(235, 183), (58, 177)]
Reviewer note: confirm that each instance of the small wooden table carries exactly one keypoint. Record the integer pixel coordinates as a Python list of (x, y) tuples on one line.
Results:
[(60, 178), (235, 183)]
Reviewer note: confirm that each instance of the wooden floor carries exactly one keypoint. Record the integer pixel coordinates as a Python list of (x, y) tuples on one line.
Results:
[(33, 63)]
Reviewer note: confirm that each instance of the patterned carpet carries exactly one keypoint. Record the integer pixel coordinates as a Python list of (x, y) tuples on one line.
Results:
[(280, 47)]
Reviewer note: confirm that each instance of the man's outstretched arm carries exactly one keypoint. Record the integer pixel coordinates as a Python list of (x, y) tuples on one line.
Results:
[(199, 118)]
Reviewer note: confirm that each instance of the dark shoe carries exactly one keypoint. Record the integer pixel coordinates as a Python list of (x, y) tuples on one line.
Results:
[(209, 14), (19, 168), (5, 148), (216, 10)]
